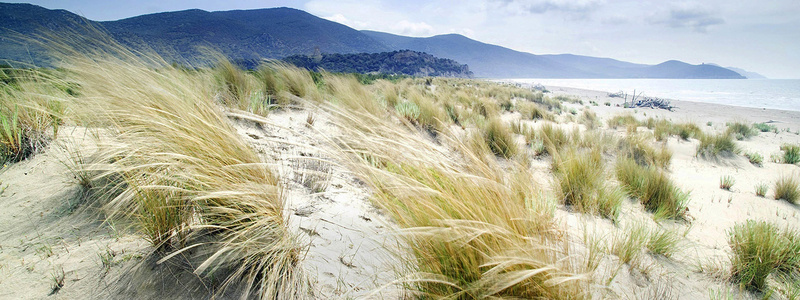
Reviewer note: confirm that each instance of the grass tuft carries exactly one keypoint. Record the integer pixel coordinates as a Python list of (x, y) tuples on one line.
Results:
[(755, 158), (761, 189), (760, 249), (740, 130), (713, 146), (791, 153), (581, 183), (787, 188), (500, 139), (726, 182), (653, 188)]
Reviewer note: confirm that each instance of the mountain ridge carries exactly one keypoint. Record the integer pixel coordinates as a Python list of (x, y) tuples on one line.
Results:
[(280, 32)]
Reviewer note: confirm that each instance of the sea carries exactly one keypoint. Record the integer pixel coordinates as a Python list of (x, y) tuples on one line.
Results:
[(759, 93)]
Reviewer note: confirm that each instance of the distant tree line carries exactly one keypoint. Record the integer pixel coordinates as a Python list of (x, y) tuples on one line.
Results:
[(403, 62)]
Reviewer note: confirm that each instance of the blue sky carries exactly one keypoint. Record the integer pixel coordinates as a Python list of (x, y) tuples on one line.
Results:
[(760, 36)]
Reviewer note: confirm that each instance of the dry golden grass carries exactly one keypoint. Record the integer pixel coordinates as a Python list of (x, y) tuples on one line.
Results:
[(189, 177), (472, 229)]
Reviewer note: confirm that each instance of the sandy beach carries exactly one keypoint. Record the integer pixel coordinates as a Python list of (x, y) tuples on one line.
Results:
[(351, 241)]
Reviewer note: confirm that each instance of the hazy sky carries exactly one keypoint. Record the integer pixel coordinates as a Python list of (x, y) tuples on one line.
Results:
[(761, 36)]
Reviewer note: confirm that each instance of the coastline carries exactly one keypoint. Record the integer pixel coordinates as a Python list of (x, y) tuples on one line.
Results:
[(688, 111)]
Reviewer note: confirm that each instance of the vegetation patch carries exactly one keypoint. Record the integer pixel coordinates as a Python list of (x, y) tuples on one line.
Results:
[(787, 188), (761, 249), (653, 188)]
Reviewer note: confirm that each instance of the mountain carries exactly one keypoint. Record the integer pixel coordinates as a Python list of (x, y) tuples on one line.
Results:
[(18, 20), (493, 61), (282, 32), (485, 60), (397, 62), (748, 74), (242, 34)]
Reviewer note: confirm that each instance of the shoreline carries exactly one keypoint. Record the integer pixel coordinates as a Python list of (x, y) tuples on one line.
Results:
[(699, 112)]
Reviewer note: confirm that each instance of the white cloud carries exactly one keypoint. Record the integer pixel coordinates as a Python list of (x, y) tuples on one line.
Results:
[(341, 19), (406, 27)]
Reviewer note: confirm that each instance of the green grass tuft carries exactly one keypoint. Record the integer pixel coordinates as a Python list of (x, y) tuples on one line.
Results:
[(755, 158), (761, 189), (500, 139), (713, 146), (760, 249), (787, 188), (726, 182), (791, 153), (582, 183), (741, 130), (653, 188)]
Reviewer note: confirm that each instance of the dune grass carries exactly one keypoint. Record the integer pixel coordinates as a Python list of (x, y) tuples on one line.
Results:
[(787, 188), (761, 189), (740, 130), (653, 188), (755, 158), (471, 229), (714, 146), (188, 174), (637, 147), (31, 111), (499, 138), (791, 153), (760, 249), (626, 120), (726, 182), (582, 185)]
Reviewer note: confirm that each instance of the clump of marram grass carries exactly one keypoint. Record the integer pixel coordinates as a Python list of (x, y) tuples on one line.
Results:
[(627, 120), (761, 189), (186, 170), (764, 127), (726, 182), (713, 146), (589, 119), (791, 153), (787, 188), (760, 249), (755, 158), (630, 243), (653, 188), (554, 137), (499, 138), (639, 149), (740, 130), (687, 130), (533, 111), (581, 181), (31, 106), (470, 229)]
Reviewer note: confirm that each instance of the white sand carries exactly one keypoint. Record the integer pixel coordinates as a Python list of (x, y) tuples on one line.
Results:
[(349, 238)]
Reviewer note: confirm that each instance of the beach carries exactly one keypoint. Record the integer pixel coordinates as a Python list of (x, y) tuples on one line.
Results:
[(351, 241)]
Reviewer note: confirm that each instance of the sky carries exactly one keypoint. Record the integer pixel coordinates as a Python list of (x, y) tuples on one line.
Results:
[(761, 36)]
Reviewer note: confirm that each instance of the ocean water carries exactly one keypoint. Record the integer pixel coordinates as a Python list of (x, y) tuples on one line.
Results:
[(760, 93)]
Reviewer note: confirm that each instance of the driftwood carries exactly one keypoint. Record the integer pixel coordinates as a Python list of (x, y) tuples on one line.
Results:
[(652, 102), (637, 100)]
